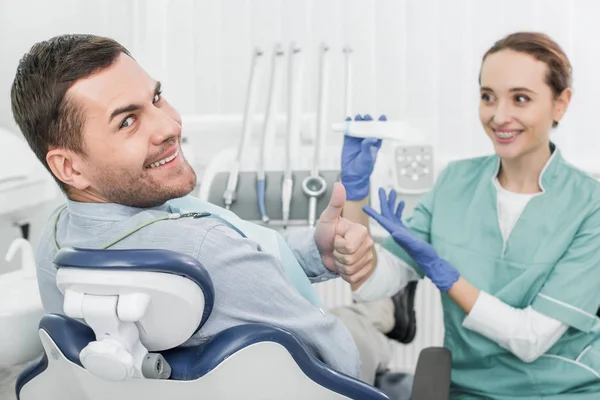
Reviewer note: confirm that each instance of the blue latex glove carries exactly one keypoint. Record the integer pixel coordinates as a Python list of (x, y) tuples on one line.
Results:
[(358, 160), (441, 273)]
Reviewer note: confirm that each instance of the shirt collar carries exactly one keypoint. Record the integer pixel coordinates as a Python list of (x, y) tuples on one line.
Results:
[(108, 211)]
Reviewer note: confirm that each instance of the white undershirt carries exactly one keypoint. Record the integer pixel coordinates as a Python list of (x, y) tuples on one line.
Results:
[(510, 206), (524, 332)]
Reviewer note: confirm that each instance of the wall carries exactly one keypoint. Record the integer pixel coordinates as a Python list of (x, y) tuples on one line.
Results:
[(413, 60)]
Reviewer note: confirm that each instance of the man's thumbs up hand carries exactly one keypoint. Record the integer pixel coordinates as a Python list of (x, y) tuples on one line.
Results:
[(346, 247)]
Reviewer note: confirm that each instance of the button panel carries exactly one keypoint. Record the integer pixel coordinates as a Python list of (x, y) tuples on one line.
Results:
[(413, 167)]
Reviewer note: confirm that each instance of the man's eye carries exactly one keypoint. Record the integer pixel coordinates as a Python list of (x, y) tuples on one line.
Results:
[(156, 98), (486, 97), (127, 122)]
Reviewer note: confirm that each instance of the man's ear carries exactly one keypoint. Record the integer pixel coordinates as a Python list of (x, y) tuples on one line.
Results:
[(63, 164)]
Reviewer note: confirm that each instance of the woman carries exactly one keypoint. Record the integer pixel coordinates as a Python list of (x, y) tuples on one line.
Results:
[(511, 240)]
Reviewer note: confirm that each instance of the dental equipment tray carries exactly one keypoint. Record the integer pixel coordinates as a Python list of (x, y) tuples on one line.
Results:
[(246, 203)]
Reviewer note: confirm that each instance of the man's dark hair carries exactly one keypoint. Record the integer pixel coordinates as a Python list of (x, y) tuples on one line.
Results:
[(46, 117)]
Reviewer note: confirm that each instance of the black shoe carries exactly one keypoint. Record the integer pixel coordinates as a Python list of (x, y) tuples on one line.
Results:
[(405, 328)]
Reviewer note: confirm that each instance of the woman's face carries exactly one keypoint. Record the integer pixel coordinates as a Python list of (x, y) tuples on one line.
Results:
[(517, 106)]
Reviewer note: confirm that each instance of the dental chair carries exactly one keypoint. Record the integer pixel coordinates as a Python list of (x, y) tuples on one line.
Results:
[(141, 306)]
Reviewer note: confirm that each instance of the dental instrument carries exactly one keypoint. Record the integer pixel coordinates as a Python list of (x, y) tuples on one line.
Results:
[(229, 196), (295, 70), (348, 86), (315, 185), (381, 129), (268, 129)]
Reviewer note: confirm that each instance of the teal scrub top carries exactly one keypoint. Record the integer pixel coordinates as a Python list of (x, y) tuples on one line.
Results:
[(551, 261)]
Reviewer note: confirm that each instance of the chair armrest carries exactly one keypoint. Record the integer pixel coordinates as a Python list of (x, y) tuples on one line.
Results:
[(432, 375)]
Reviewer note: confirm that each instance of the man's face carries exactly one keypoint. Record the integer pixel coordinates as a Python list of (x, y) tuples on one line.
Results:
[(131, 139)]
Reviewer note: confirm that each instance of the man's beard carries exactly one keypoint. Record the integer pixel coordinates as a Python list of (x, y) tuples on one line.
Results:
[(140, 190)]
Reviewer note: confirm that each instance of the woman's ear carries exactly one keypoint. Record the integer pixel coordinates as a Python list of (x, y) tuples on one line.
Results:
[(561, 104)]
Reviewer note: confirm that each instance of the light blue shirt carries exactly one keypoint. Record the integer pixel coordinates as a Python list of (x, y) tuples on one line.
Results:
[(250, 285)]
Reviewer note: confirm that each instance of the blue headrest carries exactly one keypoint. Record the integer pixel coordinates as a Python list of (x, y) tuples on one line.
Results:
[(165, 261), (190, 363)]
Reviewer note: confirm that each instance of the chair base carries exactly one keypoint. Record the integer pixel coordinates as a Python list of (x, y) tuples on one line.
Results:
[(263, 363)]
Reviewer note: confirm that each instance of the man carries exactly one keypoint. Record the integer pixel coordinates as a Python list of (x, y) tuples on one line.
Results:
[(100, 125)]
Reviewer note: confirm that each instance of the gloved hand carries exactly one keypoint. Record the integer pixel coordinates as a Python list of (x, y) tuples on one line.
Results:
[(441, 273), (358, 160)]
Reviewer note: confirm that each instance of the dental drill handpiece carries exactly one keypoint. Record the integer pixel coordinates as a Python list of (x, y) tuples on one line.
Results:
[(348, 82), (294, 108), (318, 185), (229, 196), (268, 130)]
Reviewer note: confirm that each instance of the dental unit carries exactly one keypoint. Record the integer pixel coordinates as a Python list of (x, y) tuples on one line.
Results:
[(20, 308), (23, 191)]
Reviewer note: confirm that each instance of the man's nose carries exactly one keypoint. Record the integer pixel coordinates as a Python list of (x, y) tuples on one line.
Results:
[(164, 127)]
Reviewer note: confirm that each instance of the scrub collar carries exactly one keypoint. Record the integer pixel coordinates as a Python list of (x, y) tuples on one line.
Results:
[(548, 174)]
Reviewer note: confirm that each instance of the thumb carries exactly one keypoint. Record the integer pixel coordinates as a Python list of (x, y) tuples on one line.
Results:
[(370, 147), (336, 204), (369, 143)]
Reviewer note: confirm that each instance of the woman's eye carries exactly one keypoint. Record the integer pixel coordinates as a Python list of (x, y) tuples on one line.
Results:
[(156, 98), (127, 122), (520, 98), (486, 97)]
